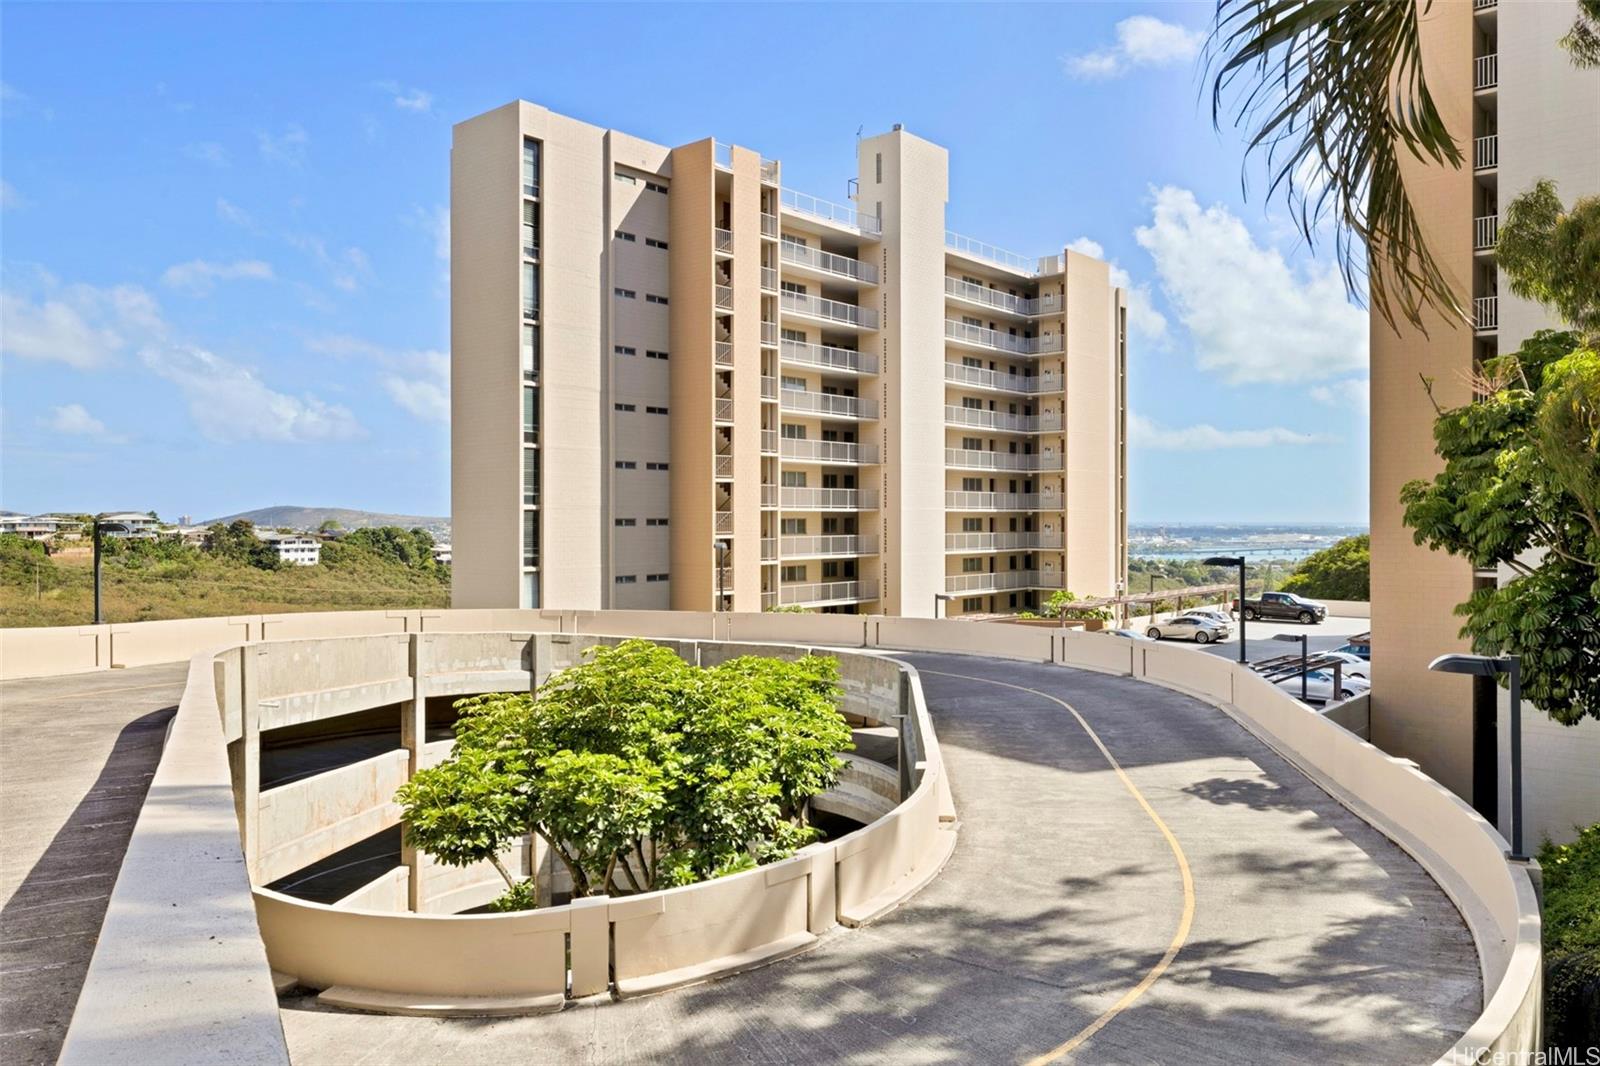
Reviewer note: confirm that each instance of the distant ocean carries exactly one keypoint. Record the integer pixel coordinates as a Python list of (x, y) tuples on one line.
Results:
[(1256, 542)]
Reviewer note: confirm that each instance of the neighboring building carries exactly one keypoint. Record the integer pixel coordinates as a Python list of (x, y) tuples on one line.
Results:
[(441, 554), (294, 549), (660, 352), (34, 527), (1511, 97), (139, 523)]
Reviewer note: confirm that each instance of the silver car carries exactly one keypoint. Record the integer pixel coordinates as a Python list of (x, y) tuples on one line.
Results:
[(1198, 628), (1319, 686)]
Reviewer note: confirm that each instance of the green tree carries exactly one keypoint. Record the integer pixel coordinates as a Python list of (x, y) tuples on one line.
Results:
[(1552, 255), (1572, 940), (639, 770), (237, 542), (1341, 571), (1059, 605), (409, 547)]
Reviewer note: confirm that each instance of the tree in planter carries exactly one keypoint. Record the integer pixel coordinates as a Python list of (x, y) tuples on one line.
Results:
[(1059, 605), (1341, 571), (639, 770)]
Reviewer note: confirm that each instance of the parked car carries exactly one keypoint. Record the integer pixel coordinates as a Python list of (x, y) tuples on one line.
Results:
[(1360, 646), (1216, 613), (1354, 665), (1319, 686), (1285, 606), (1131, 634), (1193, 627)]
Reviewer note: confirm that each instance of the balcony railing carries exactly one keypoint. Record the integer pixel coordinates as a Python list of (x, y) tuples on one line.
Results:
[(1485, 232), (1003, 580), (769, 388), (769, 172), (982, 294), (724, 353), (724, 466), (839, 266), (827, 451), (822, 547), (830, 310), (769, 279), (769, 225), (799, 499), (1484, 5), (827, 404), (769, 333), (725, 241), (984, 378), (724, 410), (979, 250), (826, 211), (983, 337), (1045, 422), (722, 155), (725, 296), (769, 496), (769, 549), (1486, 152), (829, 592), (992, 501), (724, 522), (1486, 71), (1486, 312), (987, 542), (769, 442), (828, 357), (972, 459)]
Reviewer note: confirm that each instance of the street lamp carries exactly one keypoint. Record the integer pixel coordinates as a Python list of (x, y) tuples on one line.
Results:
[(1234, 560), (102, 527), (1489, 666), (1291, 637), (938, 598), (721, 547)]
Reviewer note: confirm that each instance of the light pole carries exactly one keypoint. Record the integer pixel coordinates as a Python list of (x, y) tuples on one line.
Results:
[(1291, 637), (721, 547), (99, 527), (1489, 666), (938, 598), (1234, 560)]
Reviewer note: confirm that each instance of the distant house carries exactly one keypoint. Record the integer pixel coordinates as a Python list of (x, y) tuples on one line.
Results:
[(139, 524), (441, 554), (34, 527), (294, 549)]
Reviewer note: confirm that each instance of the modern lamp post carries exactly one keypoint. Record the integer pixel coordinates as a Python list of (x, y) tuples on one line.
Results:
[(1490, 666), (102, 527), (1301, 637), (721, 547), (1234, 560), (938, 598)]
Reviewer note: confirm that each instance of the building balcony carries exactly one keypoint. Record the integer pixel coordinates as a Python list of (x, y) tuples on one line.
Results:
[(769, 225), (724, 521), (827, 451), (827, 593), (769, 497), (992, 299), (722, 411), (834, 312), (724, 241), (826, 404), (1003, 581), (723, 466), (1486, 313), (826, 547), (769, 388), (724, 353), (769, 334), (961, 500), (1485, 5), (1486, 152), (1046, 422), (769, 549), (988, 253), (995, 341), (769, 171), (1486, 71), (769, 279), (1485, 232), (769, 442), (725, 297), (840, 216), (794, 498), (827, 357), (975, 543), (978, 377), (816, 262), (972, 459)]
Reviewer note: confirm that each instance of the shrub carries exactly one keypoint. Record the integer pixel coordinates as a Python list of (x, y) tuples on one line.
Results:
[(1572, 940), (1341, 571)]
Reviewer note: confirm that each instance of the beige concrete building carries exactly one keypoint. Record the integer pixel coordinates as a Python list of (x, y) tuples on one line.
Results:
[(677, 383), (1513, 100)]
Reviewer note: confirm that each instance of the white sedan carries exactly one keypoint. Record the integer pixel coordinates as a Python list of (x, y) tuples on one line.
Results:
[(1198, 628), (1319, 686), (1354, 665)]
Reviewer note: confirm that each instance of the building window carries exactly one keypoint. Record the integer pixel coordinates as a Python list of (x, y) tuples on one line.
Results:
[(627, 522), (530, 352), (624, 407), (789, 381), (791, 431), (972, 603), (626, 179), (655, 410), (623, 349), (651, 353), (652, 298), (794, 479), (530, 415), (624, 235), (796, 335), (530, 291), (880, 168), (656, 577), (972, 444), (530, 538), (794, 574), (530, 591), (624, 294), (530, 477), (627, 579), (530, 168), (789, 238), (792, 527), (651, 242), (530, 230), (655, 466), (793, 288), (626, 464), (655, 521), (972, 525), (655, 186), (972, 566)]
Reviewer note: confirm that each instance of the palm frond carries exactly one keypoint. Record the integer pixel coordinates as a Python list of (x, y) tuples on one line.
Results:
[(1331, 92)]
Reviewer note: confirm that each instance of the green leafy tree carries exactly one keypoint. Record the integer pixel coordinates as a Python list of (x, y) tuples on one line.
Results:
[(237, 542), (409, 547), (1572, 941), (1552, 255), (1341, 571), (1060, 605)]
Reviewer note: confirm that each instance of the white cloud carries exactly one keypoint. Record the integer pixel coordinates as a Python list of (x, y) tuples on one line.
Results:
[(1145, 322), (1143, 433), (1142, 41), (1352, 393), (407, 99), (74, 420), (289, 147), (229, 402), (199, 276), (1252, 317), (79, 325), (347, 268), (207, 152), (416, 380), (10, 198), (238, 216)]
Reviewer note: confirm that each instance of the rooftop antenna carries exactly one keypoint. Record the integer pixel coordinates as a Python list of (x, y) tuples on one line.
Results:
[(859, 129)]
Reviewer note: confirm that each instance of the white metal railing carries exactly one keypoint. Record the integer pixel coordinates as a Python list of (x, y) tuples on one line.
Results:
[(827, 451), (831, 310), (769, 279), (972, 459), (828, 211), (769, 333), (769, 496), (1044, 422), (1002, 580), (827, 403), (1486, 152), (828, 357), (1485, 232), (725, 241), (1486, 71), (982, 542), (820, 547), (724, 466), (984, 378), (724, 353), (840, 266), (829, 592), (962, 500), (725, 296), (724, 521), (798, 499), (722, 155), (769, 388), (769, 549), (988, 252), (769, 442), (984, 337), (769, 171), (1484, 5), (724, 410), (982, 294), (769, 225), (1486, 312)]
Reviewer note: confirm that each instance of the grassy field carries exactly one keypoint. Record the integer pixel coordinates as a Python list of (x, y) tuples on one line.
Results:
[(59, 590)]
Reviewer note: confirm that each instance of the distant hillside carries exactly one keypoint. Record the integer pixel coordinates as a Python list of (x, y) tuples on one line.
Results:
[(312, 517)]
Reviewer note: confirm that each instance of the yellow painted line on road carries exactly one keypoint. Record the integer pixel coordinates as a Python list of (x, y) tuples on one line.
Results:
[(1184, 922)]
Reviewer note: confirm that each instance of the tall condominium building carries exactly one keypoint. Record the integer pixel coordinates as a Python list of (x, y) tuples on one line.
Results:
[(679, 384), (1520, 111)]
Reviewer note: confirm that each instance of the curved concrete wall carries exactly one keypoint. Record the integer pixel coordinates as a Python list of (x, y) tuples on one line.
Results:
[(1461, 851)]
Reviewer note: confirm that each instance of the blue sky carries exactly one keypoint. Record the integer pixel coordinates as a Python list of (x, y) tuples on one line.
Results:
[(225, 251)]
